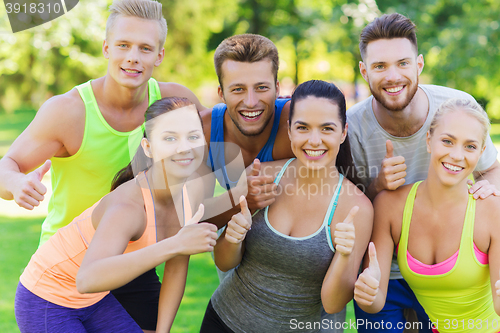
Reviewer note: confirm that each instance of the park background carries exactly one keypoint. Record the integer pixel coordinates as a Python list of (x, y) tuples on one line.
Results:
[(316, 39)]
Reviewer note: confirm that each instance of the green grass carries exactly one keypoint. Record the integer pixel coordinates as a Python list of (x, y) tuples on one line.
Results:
[(19, 242)]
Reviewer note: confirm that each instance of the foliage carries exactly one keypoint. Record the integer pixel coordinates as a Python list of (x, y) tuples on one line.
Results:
[(316, 39)]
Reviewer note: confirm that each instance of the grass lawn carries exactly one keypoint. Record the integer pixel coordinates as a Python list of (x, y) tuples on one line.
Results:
[(19, 239)]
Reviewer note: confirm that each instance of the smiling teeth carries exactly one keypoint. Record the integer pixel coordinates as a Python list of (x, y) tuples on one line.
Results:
[(452, 167), (184, 161), (131, 71), (251, 114), (315, 153), (394, 90)]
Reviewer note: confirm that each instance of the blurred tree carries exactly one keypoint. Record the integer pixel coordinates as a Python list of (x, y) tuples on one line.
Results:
[(52, 58), (316, 39)]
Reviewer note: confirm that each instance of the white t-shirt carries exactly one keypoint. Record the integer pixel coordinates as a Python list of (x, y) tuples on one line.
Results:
[(367, 139)]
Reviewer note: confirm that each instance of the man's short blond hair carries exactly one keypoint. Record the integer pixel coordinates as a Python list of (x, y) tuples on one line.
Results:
[(145, 9)]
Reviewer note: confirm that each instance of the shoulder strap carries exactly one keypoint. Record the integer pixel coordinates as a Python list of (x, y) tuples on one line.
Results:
[(407, 213), (331, 211), (467, 238), (148, 199), (282, 171), (154, 91)]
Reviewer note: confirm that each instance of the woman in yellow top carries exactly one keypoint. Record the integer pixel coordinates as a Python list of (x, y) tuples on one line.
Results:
[(448, 251), (133, 229)]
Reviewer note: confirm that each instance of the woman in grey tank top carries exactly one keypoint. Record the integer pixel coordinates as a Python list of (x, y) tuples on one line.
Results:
[(305, 249)]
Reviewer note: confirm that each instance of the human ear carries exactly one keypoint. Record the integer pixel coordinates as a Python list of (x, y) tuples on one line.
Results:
[(344, 133), (220, 92), (161, 56), (146, 147), (362, 70), (420, 63), (105, 49)]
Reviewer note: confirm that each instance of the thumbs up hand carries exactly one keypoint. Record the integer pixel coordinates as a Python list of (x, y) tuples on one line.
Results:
[(239, 225), (261, 188), (30, 191), (393, 170), (344, 233), (367, 286)]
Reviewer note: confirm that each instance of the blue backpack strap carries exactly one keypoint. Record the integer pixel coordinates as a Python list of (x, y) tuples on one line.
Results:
[(266, 153), (331, 211)]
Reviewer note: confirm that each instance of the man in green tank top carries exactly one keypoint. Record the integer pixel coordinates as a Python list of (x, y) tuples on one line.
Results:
[(91, 132)]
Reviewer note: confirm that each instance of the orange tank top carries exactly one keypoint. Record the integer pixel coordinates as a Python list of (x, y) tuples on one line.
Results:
[(51, 272)]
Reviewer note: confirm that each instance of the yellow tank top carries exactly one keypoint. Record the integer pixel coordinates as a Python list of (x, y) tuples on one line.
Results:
[(459, 300), (80, 180)]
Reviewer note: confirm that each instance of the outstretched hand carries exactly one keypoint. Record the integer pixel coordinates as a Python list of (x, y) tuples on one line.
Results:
[(240, 223), (367, 286)]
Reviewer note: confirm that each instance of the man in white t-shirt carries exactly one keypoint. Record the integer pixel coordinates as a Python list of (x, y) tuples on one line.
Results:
[(387, 133)]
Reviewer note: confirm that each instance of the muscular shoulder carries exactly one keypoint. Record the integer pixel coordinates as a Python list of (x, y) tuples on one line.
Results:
[(171, 89), (63, 108)]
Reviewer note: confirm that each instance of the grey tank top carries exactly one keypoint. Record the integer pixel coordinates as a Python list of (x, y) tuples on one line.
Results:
[(278, 282)]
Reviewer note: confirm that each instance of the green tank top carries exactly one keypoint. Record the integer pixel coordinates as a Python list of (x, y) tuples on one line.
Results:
[(82, 179), (459, 300)]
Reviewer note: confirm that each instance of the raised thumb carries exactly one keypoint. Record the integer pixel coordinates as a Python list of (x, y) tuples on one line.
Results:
[(389, 148), (42, 170), (255, 168)]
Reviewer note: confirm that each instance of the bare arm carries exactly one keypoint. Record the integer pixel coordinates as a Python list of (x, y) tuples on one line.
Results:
[(338, 285), (371, 287), (54, 131), (170, 89), (106, 267), (172, 290)]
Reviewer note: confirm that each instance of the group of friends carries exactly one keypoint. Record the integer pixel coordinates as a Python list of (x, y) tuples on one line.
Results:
[(411, 159)]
